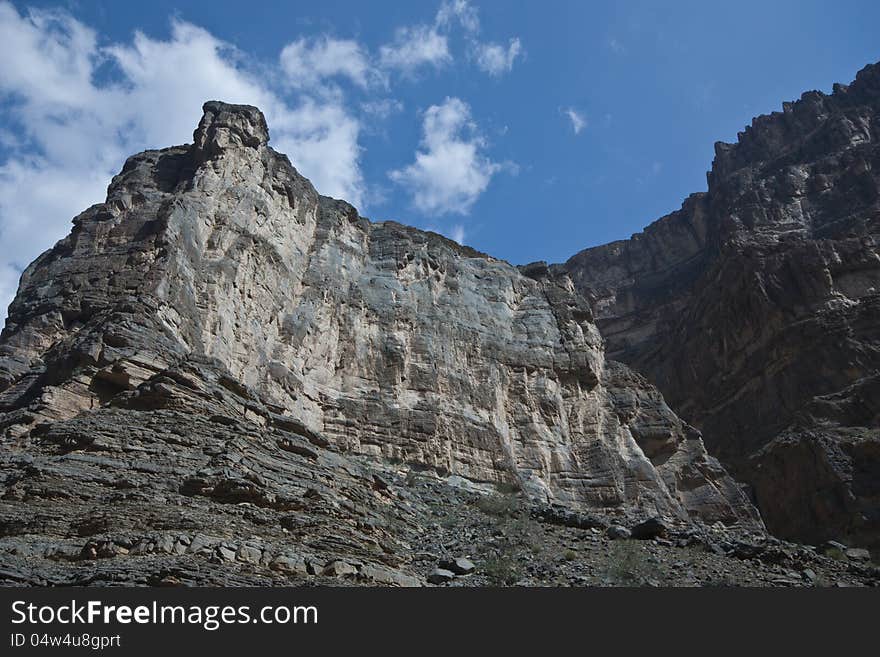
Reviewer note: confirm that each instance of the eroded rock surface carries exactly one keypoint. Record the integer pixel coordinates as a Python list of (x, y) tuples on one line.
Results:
[(755, 309), (217, 341)]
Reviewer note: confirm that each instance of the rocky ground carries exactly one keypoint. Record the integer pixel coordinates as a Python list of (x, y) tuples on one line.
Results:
[(510, 543), (382, 524), (469, 538)]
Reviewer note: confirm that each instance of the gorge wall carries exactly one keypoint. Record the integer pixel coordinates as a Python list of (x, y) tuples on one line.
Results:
[(219, 352), (216, 318), (755, 309)]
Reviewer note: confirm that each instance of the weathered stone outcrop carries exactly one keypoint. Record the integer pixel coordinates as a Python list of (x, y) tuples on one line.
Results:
[(215, 274), (755, 309)]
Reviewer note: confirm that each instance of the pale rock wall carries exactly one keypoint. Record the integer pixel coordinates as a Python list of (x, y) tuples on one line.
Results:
[(385, 340)]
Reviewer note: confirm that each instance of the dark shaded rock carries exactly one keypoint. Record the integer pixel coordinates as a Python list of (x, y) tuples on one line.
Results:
[(755, 309), (458, 566), (616, 532), (441, 576), (715, 548), (858, 554), (650, 528), (560, 515)]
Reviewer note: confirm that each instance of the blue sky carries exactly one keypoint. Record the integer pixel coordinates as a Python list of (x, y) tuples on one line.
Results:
[(528, 130)]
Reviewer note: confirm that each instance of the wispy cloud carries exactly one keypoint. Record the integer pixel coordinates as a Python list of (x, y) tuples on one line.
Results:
[(414, 47), (615, 46), (461, 12), (578, 120), (307, 62), (381, 108), (417, 46), (495, 59)]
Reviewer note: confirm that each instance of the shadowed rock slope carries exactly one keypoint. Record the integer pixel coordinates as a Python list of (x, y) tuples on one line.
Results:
[(218, 349), (755, 309)]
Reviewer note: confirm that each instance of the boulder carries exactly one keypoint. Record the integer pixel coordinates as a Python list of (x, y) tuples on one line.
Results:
[(649, 529), (615, 532), (459, 566), (441, 576)]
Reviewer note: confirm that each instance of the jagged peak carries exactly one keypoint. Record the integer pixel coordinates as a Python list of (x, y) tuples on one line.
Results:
[(868, 77), (768, 133), (225, 125)]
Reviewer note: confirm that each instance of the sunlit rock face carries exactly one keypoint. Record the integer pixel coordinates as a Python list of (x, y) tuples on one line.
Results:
[(755, 309), (219, 262)]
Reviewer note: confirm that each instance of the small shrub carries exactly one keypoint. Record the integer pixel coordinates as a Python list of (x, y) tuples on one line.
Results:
[(627, 563), (836, 553), (502, 570), (498, 505), (508, 488)]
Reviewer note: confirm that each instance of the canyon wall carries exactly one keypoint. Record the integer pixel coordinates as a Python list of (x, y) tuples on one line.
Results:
[(216, 296), (755, 309)]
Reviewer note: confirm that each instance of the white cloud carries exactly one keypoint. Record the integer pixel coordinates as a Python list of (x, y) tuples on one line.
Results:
[(382, 108), (492, 58), (322, 139), (495, 59), (457, 233), (578, 120), (450, 170), (460, 11), (306, 62), (73, 133), (422, 45), (414, 47), (166, 83)]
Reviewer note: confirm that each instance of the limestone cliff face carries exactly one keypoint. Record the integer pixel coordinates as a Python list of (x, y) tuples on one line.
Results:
[(756, 310), (374, 339)]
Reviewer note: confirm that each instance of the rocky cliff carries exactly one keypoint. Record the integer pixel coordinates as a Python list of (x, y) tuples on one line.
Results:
[(755, 309), (218, 348)]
